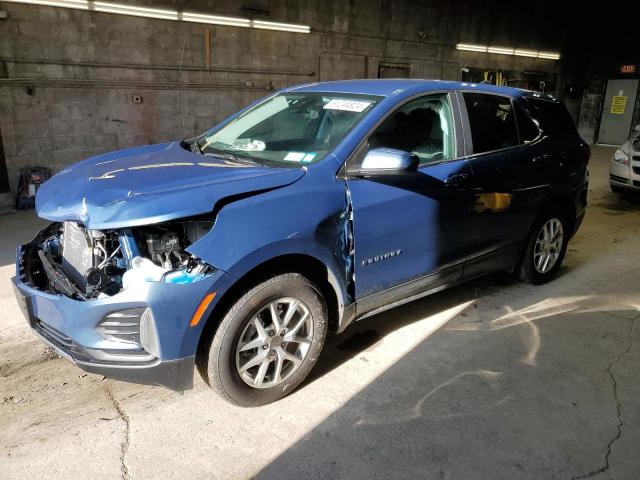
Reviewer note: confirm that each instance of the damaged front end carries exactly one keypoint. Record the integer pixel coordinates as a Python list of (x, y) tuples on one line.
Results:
[(67, 259), (118, 302)]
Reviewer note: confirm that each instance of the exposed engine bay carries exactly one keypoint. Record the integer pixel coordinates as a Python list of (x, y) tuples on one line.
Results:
[(86, 264)]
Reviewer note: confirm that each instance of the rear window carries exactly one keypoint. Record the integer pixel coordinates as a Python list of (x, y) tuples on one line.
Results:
[(492, 121), (553, 116), (527, 128)]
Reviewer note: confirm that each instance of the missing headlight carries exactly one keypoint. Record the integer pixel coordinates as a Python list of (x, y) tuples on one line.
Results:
[(84, 264)]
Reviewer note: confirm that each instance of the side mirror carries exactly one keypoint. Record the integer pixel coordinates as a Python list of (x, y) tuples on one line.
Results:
[(381, 161)]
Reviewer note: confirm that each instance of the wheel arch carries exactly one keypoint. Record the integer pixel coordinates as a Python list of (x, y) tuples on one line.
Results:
[(311, 267), (559, 201)]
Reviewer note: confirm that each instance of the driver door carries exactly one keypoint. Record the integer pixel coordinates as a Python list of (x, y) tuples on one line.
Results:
[(410, 228)]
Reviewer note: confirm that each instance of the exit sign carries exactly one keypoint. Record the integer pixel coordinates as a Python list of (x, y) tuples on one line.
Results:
[(627, 69)]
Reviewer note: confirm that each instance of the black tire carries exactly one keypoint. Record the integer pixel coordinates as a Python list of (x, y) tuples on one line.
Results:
[(526, 270), (219, 368), (616, 189)]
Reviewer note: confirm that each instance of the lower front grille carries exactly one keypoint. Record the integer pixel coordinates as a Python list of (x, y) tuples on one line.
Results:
[(56, 337), (618, 179), (122, 326), (636, 170)]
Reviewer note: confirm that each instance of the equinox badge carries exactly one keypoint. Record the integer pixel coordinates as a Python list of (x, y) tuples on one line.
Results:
[(384, 256)]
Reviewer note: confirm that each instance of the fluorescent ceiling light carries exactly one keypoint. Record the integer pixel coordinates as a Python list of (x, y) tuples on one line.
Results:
[(80, 4), (470, 47), (109, 7), (549, 55), (501, 50), (216, 19), (525, 53), (167, 14), (288, 27)]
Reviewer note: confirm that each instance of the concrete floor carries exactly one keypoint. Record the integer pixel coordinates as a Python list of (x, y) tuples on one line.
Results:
[(492, 379)]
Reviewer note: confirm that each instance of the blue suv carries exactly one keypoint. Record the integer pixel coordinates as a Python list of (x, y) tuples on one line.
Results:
[(238, 251)]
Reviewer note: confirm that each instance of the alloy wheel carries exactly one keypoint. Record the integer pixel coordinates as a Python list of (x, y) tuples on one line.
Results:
[(274, 343), (548, 245)]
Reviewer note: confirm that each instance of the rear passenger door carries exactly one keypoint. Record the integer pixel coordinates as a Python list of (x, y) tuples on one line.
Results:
[(501, 161)]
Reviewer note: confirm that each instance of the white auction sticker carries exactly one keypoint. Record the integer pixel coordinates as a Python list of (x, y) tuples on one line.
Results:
[(347, 105), (294, 156)]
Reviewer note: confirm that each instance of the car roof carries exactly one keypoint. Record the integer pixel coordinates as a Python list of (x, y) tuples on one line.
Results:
[(401, 86)]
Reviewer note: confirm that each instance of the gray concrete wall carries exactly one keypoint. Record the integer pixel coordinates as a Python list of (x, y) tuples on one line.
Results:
[(68, 78)]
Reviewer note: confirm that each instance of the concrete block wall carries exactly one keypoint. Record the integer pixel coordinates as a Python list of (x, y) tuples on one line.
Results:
[(68, 78)]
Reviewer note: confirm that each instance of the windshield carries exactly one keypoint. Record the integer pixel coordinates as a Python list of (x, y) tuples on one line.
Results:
[(290, 128)]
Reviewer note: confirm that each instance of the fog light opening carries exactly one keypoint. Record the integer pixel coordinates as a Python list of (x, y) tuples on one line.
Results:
[(149, 334)]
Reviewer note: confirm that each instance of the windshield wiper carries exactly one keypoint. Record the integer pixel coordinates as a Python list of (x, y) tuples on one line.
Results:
[(232, 157), (196, 147)]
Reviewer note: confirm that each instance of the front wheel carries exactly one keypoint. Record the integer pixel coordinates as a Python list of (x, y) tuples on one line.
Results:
[(545, 250), (268, 342)]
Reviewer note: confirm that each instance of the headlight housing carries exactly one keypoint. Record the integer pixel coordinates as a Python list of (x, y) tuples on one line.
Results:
[(621, 157)]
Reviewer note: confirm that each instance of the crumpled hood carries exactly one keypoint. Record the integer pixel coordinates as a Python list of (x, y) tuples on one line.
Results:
[(150, 184)]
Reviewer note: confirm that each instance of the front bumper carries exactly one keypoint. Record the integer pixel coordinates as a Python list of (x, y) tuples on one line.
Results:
[(626, 176), (69, 327)]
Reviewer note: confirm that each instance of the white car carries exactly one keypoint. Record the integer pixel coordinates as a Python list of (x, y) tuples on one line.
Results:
[(624, 169)]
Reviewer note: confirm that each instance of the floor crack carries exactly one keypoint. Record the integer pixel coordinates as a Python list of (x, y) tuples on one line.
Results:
[(620, 424), (124, 446)]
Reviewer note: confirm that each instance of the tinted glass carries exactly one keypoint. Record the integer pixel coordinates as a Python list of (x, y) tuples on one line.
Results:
[(553, 116), (423, 127), (527, 128), (290, 128), (492, 122)]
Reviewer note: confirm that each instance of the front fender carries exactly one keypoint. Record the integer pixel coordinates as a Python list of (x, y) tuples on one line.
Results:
[(303, 218)]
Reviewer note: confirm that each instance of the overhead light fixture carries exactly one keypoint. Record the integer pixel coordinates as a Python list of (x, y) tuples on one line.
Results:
[(501, 50), (287, 27), (470, 47), (216, 19), (167, 14), (525, 53), (108, 7), (80, 4), (549, 55)]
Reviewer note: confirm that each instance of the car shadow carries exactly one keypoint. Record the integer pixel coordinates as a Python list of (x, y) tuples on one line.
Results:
[(360, 336), (520, 387)]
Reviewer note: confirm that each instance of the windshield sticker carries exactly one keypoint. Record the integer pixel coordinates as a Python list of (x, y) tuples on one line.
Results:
[(248, 145), (294, 156), (308, 157), (347, 105)]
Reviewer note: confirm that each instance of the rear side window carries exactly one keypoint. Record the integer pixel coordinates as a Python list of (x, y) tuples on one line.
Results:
[(527, 128), (553, 116), (492, 122)]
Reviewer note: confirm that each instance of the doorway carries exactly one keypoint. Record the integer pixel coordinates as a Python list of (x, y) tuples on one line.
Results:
[(617, 111), (4, 177)]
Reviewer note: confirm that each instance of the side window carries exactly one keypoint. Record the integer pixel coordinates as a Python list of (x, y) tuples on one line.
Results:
[(423, 126), (527, 128), (553, 115), (492, 122)]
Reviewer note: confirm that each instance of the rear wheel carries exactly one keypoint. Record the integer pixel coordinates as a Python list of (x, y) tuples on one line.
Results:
[(268, 342), (546, 248)]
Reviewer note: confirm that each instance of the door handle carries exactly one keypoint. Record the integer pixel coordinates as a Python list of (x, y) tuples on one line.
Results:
[(457, 179), (542, 159)]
